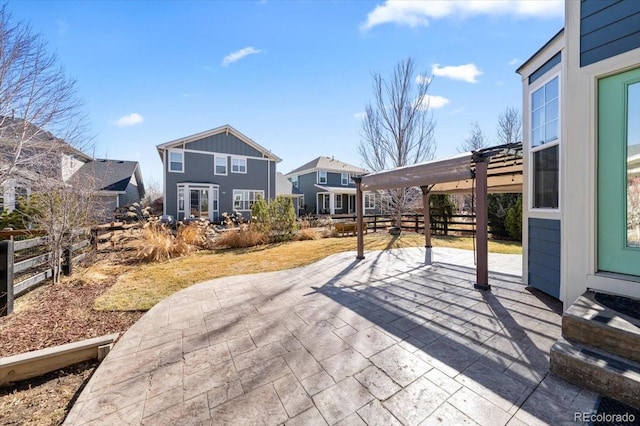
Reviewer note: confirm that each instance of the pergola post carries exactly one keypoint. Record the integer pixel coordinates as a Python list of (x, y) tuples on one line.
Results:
[(427, 224), (482, 267), (359, 217)]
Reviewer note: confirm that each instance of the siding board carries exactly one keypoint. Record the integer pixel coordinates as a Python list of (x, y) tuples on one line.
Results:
[(544, 255), (608, 29), (555, 60)]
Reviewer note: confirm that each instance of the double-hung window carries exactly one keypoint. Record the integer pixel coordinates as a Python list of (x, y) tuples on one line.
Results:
[(545, 145), (220, 167), (370, 201), (238, 165), (344, 179), (294, 181), (339, 201), (176, 160), (243, 199), (322, 176)]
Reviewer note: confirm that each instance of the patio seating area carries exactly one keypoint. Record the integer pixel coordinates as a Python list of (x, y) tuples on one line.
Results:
[(383, 340)]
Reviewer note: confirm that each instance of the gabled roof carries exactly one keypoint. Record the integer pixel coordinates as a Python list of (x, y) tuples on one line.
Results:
[(110, 175), (329, 164), (542, 49), (222, 129)]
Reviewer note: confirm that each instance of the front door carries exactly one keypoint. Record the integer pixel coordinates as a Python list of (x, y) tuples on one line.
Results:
[(200, 203), (619, 173)]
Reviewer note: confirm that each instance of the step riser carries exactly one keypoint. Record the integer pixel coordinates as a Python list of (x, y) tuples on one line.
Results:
[(595, 378), (598, 335)]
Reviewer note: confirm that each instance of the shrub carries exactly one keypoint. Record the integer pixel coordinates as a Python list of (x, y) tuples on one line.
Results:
[(513, 220), (158, 244), (305, 235), (276, 219), (194, 234), (246, 236)]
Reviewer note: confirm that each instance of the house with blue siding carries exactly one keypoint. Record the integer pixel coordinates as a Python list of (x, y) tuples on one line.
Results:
[(216, 171), (581, 191), (327, 188)]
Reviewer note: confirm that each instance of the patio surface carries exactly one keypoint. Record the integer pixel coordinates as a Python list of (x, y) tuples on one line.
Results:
[(384, 340)]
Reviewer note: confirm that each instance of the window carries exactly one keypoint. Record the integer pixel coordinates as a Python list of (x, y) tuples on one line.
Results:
[(22, 197), (176, 160), (326, 202), (344, 179), (220, 165), (294, 181), (545, 141), (238, 165), (369, 201), (180, 202), (338, 202), (322, 176), (243, 199)]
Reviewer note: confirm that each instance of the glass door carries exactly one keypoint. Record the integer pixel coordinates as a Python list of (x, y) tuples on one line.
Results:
[(619, 173), (199, 203)]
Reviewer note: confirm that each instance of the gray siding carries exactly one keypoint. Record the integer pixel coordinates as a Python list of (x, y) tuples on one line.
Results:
[(131, 195), (306, 185), (544, 255), (546, 67), (198, 168), (608, 28), (224, 143)]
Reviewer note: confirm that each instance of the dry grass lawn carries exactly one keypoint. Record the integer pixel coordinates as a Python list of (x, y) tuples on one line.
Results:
[(142, 287)]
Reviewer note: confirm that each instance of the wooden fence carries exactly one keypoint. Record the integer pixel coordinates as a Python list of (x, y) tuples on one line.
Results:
[(440, 224), (26, 263)]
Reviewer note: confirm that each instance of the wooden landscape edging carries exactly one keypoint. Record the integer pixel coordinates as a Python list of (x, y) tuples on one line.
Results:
[(36, 363)]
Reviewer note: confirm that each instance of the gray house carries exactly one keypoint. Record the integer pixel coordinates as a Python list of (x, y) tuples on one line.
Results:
[(327, 187), (284, 188), (216, 171), (117, 183)]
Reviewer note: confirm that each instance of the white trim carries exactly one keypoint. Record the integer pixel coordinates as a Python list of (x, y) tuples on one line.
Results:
[(238, 158), (297, 182), (214, 201), (164, 183), (342, 175), (248, 157), (316, 169), (175, 151), (339, 201), (370, 196), (215, 165), (222, 129)]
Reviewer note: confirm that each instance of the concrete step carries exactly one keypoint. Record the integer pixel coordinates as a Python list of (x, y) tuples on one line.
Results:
[(590, 322), (597, 370)]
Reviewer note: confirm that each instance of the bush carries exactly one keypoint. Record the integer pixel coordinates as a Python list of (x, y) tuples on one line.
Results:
[(246, 236), (159, 244), (276, 219), (513, 220), (306, 235)]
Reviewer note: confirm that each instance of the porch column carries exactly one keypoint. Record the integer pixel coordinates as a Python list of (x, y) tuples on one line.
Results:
[(427, 224), (332, 203), (359, 215), (482, 267)]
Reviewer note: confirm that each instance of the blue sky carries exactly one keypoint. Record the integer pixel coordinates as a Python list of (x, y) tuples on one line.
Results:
[(296, 74)]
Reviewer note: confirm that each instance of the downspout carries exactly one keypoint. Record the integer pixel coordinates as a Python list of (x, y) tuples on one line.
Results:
[(359, 214), (164, 189)]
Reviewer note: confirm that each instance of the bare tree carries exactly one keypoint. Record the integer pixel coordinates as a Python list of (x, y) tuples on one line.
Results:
[(509, 126), (37, 101), (476, 139), (398, 128)]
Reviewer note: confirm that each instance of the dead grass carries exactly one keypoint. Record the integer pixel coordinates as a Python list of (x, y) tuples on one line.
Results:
[(244, 237), (307, 234), (158, 244), (143, 287)]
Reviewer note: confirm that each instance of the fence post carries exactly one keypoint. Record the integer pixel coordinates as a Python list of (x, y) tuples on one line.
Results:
[(446, 224), (66, 263), (416, 223), (94, 239), (375, 223), (6, 277)]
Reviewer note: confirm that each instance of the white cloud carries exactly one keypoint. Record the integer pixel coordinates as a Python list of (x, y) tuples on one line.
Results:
[(514, 61), (129, 120), (360, 115), (423, 79), (237, 55), (419, 13), (433, 101), (468, 72)]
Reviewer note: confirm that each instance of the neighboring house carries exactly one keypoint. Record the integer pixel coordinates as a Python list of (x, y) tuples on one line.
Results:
[(117, 183), (216, 171), (285, 188), (327, 187), (581, 104)]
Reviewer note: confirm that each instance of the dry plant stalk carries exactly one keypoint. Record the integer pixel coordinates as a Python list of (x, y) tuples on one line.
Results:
[(160, 245), (246, 236)]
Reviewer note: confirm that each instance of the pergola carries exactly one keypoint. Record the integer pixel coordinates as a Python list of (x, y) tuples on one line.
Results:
[(496, 169)]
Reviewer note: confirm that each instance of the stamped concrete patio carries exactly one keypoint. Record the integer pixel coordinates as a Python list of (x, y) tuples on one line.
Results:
[(384, 340)]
